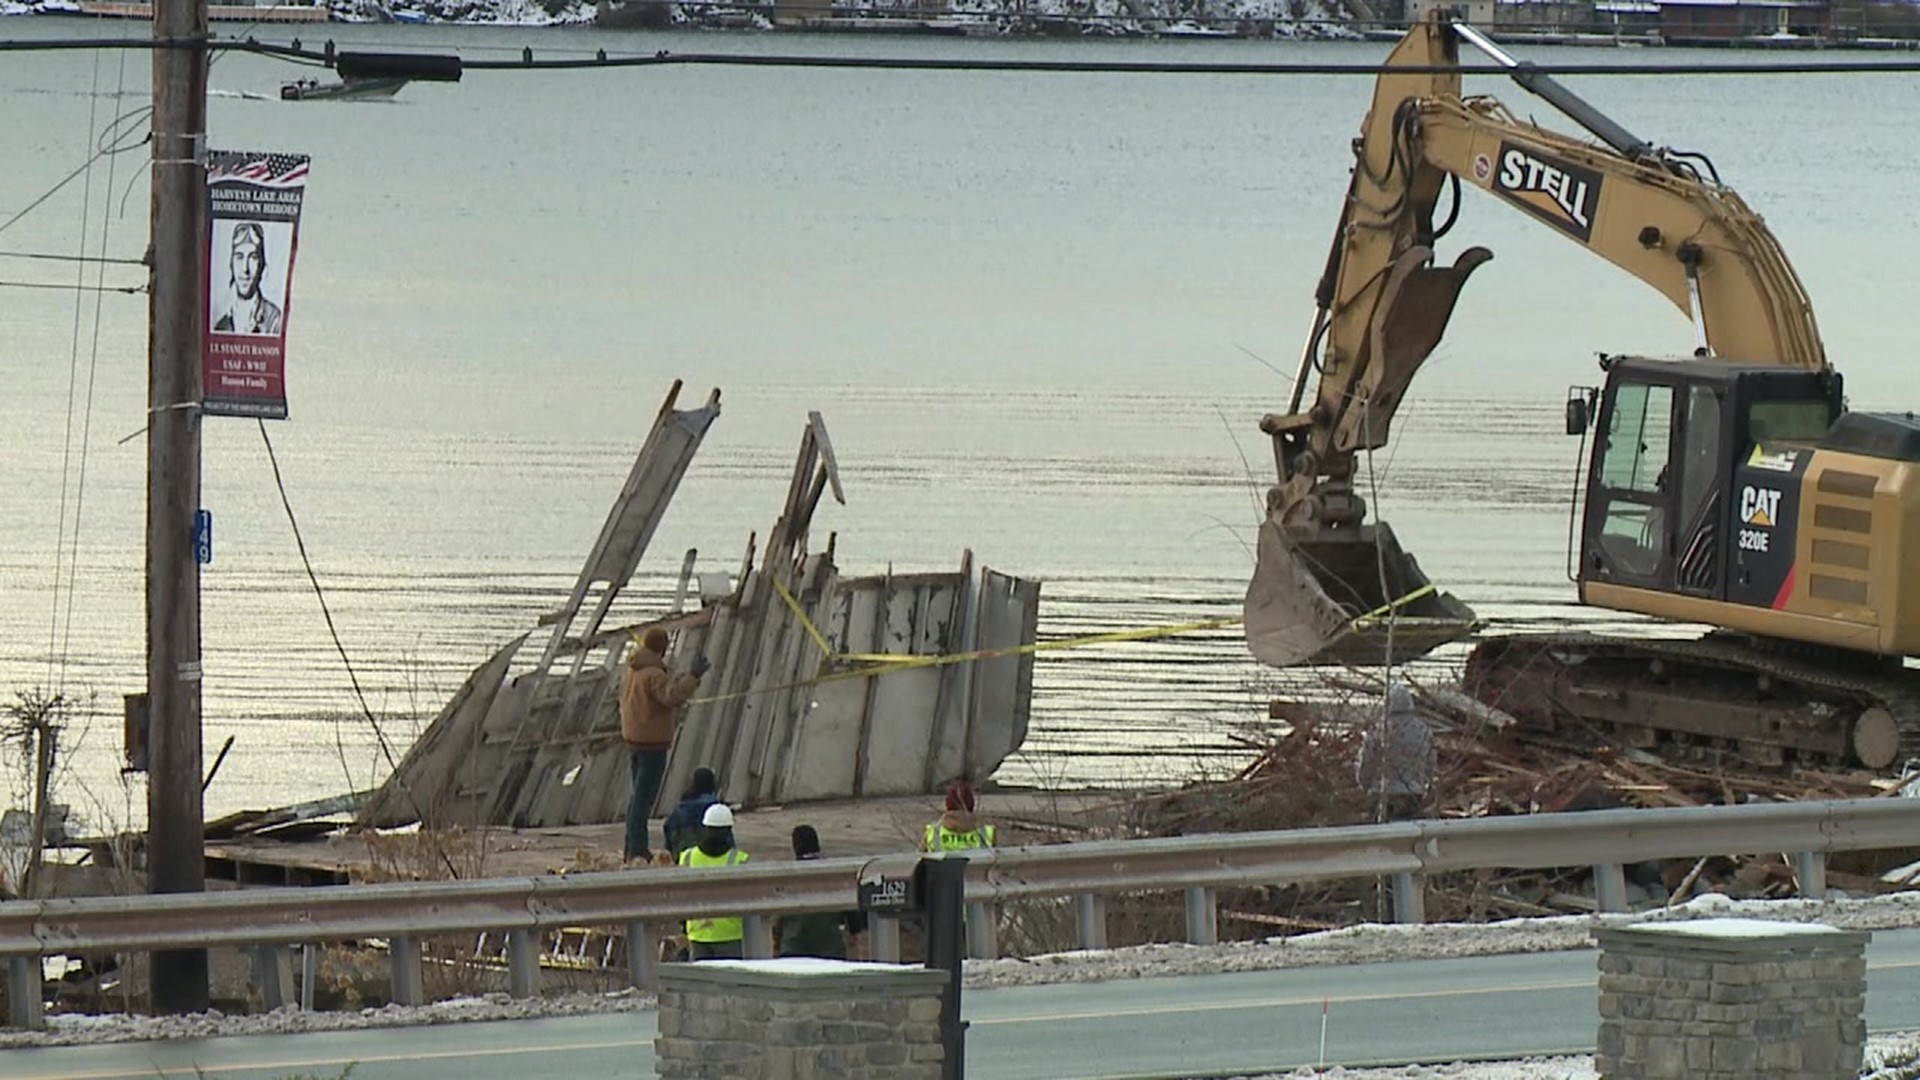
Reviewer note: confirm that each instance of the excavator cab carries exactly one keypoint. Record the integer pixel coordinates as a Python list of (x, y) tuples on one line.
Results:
[(1692, 485)]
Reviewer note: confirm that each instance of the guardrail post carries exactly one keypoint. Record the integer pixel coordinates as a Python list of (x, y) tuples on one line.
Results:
[(23, 992), (1409, 898), (275, 972), (405, 959), (1610, 887), (1090, 911), (1811, 868), (309, 973), (756, 937), (883, 939), (643, 956), (983, 931), (1203, 917), (523, 964)]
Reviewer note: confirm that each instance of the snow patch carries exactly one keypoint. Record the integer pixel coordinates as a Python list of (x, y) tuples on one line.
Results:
[(74, 1030), (1735, 928), (807, 965), (1374, 943)]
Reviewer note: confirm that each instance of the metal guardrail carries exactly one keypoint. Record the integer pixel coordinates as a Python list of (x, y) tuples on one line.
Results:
[(270, 920)]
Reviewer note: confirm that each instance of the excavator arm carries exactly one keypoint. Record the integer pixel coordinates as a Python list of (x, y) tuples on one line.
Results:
[(1383, 303)]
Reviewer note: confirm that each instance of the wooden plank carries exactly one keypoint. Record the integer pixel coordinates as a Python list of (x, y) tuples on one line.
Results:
[(818, 426), (902, 728), (799, 703), (427, 775), (941, 629)]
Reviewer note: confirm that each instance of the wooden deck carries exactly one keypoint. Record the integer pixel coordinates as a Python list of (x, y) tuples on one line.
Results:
[(856, 827)]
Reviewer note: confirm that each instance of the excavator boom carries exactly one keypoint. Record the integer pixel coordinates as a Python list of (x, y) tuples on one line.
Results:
[(1327, 578)]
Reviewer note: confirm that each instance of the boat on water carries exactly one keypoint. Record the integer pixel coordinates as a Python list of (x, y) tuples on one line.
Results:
[(344, 90)]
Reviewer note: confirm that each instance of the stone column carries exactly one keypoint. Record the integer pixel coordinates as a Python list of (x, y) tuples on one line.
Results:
[(1731, 999), (798, 1019)]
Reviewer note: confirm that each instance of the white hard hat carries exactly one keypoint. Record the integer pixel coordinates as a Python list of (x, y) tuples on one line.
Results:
[(717, 817)]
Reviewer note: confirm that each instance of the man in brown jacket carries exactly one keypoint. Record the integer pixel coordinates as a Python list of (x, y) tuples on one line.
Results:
[(650, 701)]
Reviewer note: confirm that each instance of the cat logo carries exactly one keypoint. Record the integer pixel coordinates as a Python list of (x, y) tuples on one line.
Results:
[(1759, 506), (1558, 192)]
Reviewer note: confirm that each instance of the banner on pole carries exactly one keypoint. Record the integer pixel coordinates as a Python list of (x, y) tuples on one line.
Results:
[(253, 229)]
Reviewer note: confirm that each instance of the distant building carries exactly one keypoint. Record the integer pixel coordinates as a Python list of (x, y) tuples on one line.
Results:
[(1626, 18), (1477, 12), (1544, 16), (1683, 21)]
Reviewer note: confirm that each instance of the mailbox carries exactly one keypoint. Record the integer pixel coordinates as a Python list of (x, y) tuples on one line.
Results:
[(895, 894), (933, 893)]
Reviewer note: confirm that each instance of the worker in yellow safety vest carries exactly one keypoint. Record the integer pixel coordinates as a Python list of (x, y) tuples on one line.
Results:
[(714, 939), (960, 828)]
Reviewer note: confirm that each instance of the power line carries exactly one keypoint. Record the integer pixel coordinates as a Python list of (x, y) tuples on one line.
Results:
[(127, 289), (73, 380), (106, 139), (113, 148), (1126, 67), (663, 58), (51, 257), (326, 612)]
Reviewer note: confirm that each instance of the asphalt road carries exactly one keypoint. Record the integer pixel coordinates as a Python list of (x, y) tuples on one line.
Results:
[(1429, 1010)]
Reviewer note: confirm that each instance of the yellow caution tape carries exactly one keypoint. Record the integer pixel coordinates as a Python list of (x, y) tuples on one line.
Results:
[(874, 664), (806, 624), (1374, 615), (1145, 633)]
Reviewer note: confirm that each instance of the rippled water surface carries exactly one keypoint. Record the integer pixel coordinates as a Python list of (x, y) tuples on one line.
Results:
[(1025, 304)]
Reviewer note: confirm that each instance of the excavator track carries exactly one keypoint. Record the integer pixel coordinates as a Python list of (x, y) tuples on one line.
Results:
[(1770, 705)]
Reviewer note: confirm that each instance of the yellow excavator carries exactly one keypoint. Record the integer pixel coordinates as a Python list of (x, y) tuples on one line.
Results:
[(1730, 487)]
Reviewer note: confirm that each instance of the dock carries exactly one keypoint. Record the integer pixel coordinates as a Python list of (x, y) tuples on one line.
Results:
[(870, 826)]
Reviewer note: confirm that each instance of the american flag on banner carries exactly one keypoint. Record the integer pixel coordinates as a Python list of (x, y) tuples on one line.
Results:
[(265, 170)]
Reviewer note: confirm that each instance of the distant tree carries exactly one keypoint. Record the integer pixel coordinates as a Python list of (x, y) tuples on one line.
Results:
[(34, 722)]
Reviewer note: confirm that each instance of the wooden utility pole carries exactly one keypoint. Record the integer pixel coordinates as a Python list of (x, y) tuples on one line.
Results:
[(176, 832)]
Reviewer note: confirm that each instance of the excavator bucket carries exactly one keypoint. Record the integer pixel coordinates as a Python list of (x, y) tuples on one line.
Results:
[(1353, 598)]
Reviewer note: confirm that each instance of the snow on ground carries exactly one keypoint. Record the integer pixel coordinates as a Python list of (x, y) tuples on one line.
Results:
[(1354, 945), (1372, 942), (82, 1030), (1884, 1054)]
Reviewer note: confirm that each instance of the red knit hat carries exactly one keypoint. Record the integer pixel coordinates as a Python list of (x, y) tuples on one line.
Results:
[(960, 796)]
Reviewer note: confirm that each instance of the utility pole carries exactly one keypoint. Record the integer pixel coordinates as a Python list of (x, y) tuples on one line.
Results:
[(176, 834)]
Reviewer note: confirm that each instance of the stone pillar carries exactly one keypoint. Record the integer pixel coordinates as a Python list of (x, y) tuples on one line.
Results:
[(798, 1019), (1731, 999)]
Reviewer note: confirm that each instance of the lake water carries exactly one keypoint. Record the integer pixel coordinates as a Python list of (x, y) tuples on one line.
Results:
[(1024, 303)]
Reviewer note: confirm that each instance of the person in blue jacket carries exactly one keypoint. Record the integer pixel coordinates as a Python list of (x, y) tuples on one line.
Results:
[(682, 827)]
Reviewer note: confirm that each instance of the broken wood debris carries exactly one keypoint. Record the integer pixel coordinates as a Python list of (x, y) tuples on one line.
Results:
[(540, 746), (1305, 775)]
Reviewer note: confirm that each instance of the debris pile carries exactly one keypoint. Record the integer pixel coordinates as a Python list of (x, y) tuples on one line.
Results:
[(1485, 764)]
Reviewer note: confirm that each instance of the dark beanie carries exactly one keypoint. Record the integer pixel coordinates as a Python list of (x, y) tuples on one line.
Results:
[(655, 639), (704, 782), (960, 796), (805, 841)]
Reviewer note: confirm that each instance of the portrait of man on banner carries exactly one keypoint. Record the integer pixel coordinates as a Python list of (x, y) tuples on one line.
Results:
[(253, 299)]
